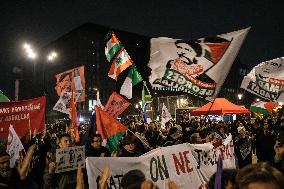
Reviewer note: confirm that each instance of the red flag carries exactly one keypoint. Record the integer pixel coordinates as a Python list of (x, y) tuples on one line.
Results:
[(116, 105), (108, 126), (73, 128)]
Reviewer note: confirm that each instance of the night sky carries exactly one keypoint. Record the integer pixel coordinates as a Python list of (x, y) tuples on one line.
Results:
[(41, 22)]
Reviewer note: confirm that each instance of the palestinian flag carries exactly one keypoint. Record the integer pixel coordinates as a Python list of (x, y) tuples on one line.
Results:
[(110, 129), (263, 107), (3, 98), (119, 64), (215, 51), (113, 46)]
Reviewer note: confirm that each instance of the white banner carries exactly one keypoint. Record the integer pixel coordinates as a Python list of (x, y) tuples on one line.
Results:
[(266, 80), (198, 67), (189, 165), (68, 158)]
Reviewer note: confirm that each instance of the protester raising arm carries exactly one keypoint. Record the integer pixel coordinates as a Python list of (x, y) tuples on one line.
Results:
[(24, 167), (104, 177), (80, 179)]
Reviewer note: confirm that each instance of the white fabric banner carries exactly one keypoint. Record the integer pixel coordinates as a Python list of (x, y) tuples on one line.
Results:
[(14, 146), (198, 67), (266, 80), (189, 165)]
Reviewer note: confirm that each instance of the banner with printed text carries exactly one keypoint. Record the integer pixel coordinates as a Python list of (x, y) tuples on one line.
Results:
[(23, 115), (189, 165), (116, 105), (266, 80), (198, 67)]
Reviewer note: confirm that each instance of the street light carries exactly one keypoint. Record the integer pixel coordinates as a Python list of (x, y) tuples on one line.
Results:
[(51, 56), (240, 96), (31, 54)]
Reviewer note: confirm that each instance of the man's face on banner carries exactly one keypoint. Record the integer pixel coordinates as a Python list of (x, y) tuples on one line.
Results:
[(66, 83), (186, 53), (268, 69)]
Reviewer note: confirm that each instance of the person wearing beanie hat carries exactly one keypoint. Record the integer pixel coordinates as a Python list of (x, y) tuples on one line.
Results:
[(127, 148)]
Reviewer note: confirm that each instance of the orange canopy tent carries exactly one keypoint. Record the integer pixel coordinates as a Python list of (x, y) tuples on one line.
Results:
[(220, 106)]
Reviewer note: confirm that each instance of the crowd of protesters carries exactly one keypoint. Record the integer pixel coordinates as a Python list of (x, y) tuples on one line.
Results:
[(255, 140)]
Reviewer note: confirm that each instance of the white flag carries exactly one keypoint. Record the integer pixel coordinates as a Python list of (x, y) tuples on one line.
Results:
[(132, 79), (166, 116), (198, 67), (126, 88), (266, 80), (14, 146)]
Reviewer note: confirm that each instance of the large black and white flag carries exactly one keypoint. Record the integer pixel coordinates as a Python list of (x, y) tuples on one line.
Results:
[(266, 80), (198, 67)]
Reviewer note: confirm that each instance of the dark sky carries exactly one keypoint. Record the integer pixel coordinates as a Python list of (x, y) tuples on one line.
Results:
[(41, 21)]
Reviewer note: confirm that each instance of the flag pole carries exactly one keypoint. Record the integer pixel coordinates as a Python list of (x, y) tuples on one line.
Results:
[(30, 132), (144, 83), (203, 122)]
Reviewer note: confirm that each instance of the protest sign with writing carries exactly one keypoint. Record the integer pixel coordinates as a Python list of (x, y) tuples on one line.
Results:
[(116, 105), (189, 165), (22, 115), (68, 158)]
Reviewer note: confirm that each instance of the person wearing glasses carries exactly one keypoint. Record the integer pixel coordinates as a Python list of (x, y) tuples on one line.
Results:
[(95, 148)]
